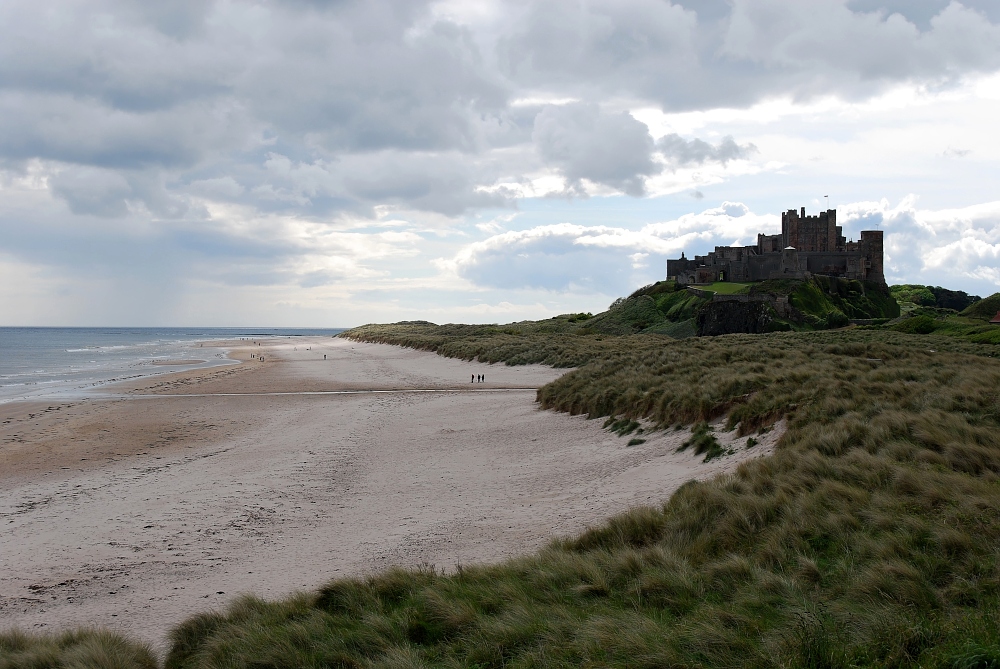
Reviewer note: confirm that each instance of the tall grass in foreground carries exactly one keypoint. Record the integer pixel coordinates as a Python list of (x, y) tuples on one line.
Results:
[(78, 649), (871, 538)]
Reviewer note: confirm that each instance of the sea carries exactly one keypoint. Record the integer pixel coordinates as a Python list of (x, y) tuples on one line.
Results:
[(64, 363)]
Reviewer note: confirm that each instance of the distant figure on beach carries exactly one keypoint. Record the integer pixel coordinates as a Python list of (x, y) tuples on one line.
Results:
[(484, 378), (324, 356), (473, 379)]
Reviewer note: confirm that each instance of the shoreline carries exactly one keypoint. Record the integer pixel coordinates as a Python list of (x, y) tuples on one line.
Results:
[(82, 389), (268, 477)]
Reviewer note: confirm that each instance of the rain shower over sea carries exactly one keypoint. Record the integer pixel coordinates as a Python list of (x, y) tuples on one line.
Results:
[(38, 363)]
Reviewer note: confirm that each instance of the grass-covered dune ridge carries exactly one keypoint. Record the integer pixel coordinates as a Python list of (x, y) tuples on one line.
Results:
[(868, 539), (559, 341)]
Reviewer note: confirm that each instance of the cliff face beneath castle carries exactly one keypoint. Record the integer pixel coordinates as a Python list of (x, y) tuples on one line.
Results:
[(730, 317), (814, 304)]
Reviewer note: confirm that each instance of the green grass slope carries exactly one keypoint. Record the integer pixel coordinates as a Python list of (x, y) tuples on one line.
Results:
[(932, 296), (971, 324), (983, 309), (661, 308), (826, 302)]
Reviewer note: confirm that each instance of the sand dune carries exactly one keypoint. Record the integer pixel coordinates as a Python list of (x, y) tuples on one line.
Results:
[(173, 495)]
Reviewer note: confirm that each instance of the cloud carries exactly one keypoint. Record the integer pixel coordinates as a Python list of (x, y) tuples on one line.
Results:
[(91, 190), (952, 152), (548, 258), (419, 106), (268, 144), (696, 55), (950, 247), (859, 51), (616, 151), (605, 259), (585, 143), (679, 151)]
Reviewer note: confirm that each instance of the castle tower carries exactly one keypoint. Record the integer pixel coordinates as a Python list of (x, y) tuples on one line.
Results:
[(870, 247), (812, 234), (790, 261)]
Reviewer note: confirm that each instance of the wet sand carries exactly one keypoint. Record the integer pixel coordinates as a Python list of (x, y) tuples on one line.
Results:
[(172, 495)]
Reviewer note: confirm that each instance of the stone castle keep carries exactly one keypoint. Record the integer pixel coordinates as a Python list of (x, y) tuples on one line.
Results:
[(807, 245)]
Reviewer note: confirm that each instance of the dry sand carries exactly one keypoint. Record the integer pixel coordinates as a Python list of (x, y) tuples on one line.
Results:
[(173, 495)]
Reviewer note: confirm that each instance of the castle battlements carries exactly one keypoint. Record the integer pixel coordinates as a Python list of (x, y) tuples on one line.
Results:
[(806, 245)]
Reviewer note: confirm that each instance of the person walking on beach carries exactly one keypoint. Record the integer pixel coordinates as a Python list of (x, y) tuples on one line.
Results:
[(473, 379)]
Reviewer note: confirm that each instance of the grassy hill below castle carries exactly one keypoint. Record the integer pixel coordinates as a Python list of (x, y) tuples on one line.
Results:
[(679, 311)]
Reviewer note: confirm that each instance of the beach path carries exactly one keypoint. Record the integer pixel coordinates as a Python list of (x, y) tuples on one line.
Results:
[(175, 494)]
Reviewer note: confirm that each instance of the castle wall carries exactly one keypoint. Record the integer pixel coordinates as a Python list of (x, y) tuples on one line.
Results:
[(832, 264), (763, 266)]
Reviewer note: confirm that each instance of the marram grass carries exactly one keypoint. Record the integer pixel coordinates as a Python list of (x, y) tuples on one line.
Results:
[(80, 649), (871, 538)]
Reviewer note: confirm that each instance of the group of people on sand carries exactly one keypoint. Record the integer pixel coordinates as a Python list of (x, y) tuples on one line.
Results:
[(478, 378)]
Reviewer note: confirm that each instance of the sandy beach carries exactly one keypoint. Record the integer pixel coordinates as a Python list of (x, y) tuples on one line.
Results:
[(169, 496)]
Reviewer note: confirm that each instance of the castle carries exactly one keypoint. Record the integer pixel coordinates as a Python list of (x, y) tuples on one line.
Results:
[(807, 245)]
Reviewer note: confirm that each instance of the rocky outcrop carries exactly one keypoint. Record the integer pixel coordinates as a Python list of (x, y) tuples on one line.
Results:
[(731, 317)]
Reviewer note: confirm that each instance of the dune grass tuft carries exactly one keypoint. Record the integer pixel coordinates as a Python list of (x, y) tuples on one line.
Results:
[(84, 648), (703, 442)]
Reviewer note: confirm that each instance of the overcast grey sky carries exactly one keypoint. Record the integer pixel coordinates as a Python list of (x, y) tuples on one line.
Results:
[(332, 163)]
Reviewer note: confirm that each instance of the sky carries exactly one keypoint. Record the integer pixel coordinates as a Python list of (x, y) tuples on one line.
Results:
[(331, 163)]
